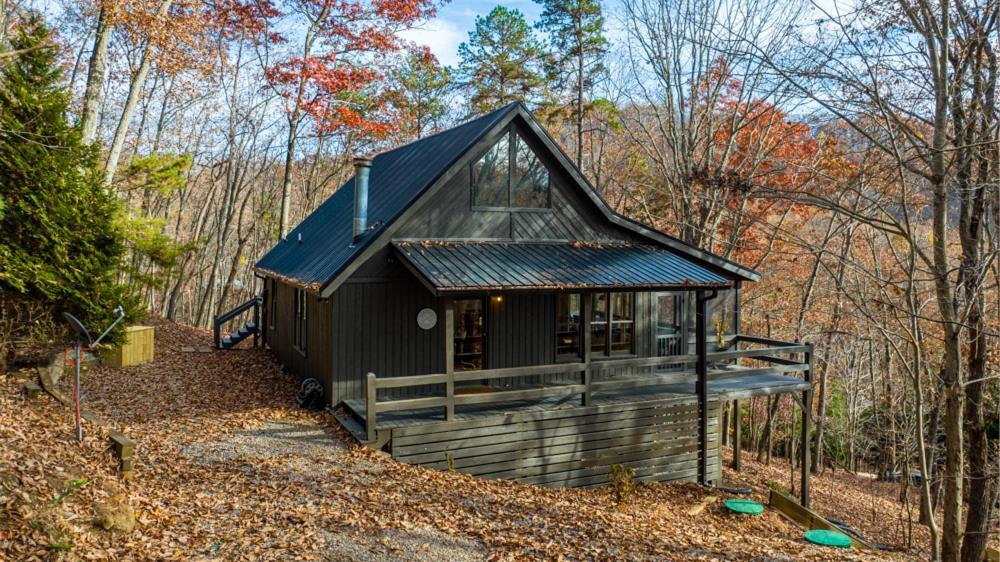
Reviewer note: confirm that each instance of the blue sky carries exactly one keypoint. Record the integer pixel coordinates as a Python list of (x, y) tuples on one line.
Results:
[(455, 19)]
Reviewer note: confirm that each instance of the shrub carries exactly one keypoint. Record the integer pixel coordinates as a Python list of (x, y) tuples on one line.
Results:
[(622, 482), (61, 230)]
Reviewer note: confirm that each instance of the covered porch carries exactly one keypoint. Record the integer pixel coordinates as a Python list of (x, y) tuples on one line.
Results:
[(584, 410)]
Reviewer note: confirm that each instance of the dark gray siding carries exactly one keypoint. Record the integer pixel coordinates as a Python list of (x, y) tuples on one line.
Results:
[(375, 331), (449, 214), (317, 359)]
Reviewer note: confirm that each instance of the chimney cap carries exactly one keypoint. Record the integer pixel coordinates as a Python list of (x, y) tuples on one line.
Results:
[(363, 160)]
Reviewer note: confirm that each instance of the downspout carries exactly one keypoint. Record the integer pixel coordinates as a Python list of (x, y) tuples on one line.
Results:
[(701, 370)]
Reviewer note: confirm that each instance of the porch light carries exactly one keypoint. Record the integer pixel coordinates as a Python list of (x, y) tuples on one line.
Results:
[(498, 299)]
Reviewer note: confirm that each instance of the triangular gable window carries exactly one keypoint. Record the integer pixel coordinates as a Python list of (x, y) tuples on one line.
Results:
[(510, 176)]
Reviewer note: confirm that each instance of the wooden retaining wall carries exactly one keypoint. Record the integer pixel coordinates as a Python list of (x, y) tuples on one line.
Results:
[(570, 447)]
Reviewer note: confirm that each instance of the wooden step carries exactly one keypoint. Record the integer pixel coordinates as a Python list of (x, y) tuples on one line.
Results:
[(353, 427)]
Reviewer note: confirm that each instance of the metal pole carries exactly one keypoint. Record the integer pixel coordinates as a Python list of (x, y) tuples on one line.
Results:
[(76, 394)]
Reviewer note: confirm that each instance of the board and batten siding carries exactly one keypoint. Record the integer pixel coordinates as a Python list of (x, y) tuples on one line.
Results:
[(375, 331), (316, 361)]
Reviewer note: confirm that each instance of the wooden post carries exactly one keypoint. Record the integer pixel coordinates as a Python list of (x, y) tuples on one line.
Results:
[(256, 321), (737, 435), (585, 306), (371, 394), (701, 369), (806, 412), (217, 332), (449, 357)]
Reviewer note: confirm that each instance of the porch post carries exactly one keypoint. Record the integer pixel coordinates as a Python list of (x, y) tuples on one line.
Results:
[(585, 306), (806, 411), (737, 437), (449, 357), (701, 370)]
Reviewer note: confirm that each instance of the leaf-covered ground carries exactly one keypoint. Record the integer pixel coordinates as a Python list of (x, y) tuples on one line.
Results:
[(228, 468)]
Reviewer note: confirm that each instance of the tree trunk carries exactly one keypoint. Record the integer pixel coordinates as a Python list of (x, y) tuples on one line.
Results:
[(95, 78)]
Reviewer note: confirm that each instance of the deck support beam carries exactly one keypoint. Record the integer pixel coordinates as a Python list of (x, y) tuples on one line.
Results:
[(585, 305), (449, 357), (701, 369), (806, 415), (737, 435)]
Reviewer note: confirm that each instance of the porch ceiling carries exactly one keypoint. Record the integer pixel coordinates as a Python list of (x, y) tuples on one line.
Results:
[(455, 267)]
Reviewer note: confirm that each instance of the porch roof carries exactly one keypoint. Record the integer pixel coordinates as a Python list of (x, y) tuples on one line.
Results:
[(454, 267)]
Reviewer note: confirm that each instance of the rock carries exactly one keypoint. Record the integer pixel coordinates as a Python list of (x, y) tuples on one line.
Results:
[(114, 516)]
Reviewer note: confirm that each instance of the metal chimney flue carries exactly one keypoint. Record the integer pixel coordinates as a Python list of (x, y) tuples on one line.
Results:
[(362, 169)]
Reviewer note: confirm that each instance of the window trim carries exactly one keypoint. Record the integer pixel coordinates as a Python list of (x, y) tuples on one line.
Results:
[(568, 357), (607, 353), (513, 136), (300, 336), (272, 305)]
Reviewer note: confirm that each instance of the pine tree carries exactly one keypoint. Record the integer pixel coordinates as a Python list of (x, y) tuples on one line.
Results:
[(420, 91), (61, 239), (577, 44), (502, 62)]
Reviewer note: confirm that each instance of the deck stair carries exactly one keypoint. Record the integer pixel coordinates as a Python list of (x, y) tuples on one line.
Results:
[(250, 328)]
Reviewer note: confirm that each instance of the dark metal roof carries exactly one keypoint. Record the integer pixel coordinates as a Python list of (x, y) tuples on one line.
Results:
[(321, 245), (449, 267)]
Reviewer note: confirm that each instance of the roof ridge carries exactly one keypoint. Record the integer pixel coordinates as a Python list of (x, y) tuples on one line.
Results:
[(477, 119)]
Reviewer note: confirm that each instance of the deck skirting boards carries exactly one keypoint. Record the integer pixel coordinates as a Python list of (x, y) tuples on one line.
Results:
[(572, 446)]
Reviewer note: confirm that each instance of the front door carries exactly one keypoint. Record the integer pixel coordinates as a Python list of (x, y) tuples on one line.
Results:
[(668, 324), (470, 334)]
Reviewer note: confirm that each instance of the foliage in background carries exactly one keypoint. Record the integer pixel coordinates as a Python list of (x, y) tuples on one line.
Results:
[(61, 240), (502, 62)]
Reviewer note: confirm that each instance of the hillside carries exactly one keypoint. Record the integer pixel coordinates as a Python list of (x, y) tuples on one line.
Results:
[(228, 468)]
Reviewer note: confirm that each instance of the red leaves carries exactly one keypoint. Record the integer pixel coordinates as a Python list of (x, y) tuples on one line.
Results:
[(332, 80)]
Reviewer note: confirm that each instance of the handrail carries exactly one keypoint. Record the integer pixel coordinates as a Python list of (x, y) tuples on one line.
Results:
[(254, 303), (450, 399)]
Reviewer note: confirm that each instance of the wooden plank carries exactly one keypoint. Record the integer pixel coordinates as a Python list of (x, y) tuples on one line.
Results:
[(503, 425), (510, 372), (443, 426), (528, 445), (411, 404), (673, 452), (547, 436), (806, 518), (509, 431), (413, 380), (761, 353), (509, 395), (722, 374), (643, 381)]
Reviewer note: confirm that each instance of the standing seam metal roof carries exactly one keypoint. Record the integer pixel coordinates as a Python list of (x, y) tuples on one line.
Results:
[(469, 266)]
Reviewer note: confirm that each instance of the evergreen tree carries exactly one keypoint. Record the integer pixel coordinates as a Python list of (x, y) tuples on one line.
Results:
[(502, 62), (577, 43), (61, 240), (420, 91)]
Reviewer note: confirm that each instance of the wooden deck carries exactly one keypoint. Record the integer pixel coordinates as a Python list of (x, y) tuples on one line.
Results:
[(736, 387), (556, 441), (580, 420)]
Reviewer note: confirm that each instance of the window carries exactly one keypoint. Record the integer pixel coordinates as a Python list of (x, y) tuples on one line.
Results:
[(668, 324), (301, 321), (568, 325), (490, 176), (510, 175), (272, 309), (470, 334), (530, 189), (612, 323)]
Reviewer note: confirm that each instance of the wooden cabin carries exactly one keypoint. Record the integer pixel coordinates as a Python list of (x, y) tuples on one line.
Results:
[(468, 300)]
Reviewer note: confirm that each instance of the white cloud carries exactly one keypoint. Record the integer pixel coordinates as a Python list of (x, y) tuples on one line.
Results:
[(441, 36)]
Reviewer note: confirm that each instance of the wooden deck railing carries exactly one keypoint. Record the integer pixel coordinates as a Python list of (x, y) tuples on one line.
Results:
[(587, 386)]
